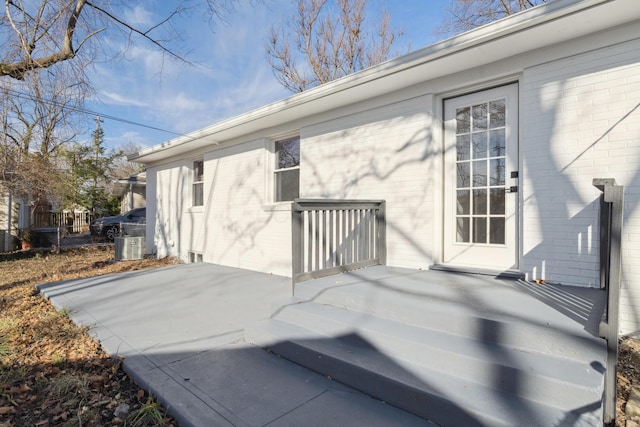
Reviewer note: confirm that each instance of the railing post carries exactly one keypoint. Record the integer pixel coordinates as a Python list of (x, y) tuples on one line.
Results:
[(612, 220), (297, 243), (382, 233)]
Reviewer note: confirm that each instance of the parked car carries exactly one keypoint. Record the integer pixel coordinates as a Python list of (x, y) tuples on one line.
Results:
[(109, 226)]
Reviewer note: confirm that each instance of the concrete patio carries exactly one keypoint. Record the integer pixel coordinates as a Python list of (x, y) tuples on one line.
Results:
[(413, 336), (180, 330)]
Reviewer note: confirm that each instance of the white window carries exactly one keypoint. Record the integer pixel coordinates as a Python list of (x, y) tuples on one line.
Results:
[(198, 183), (194, 257), (287, 169)]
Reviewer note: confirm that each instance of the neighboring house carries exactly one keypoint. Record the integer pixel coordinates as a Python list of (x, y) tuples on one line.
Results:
[(15, 213), (484, 147), (132, 191)]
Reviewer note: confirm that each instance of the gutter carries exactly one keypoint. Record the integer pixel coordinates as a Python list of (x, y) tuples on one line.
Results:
[(497, 30)]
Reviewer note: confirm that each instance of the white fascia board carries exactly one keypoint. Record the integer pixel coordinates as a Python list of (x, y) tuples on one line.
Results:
[(551, 23)]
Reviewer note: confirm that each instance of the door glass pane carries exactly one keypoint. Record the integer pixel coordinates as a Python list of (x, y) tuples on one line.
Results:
[(496, 201), (496, 171), (462, 147), (462, 230), (497, 143), (496, 231), (463, 202), (480, 202), (463, 120), (479, 117), (463, 174), (480, 173), (480, 145), (479, 230), (497, 113)]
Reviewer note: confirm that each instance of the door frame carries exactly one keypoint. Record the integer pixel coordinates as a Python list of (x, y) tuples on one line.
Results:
[(440, 172)]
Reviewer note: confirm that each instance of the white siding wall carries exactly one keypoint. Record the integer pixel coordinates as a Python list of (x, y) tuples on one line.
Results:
[(235, 227), (385, 153), (241, 229), (173, 221), (580, 120)]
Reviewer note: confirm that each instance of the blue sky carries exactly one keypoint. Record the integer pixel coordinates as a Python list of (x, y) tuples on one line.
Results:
[(230, 75)]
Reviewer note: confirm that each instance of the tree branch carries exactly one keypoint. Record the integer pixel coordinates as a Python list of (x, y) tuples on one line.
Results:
[(144, 34)]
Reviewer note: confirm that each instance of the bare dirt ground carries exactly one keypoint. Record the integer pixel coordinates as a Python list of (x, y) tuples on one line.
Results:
[(628, 378)]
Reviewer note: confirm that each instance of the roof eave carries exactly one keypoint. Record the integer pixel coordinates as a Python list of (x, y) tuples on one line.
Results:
[(309, 102)]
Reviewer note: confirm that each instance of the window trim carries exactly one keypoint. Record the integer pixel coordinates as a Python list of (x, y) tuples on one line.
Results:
[(195, 184), (272, 169)]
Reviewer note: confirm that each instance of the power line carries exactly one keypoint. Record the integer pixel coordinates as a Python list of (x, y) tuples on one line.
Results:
[(22, 95)]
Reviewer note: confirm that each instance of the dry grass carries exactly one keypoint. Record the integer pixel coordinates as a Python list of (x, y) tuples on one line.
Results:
[(51, 371)]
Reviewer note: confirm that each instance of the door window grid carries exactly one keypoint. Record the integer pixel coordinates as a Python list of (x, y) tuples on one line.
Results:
[(480, 173)]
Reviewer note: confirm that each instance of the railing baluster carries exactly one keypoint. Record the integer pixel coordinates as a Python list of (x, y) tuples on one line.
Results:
[(332, 262), (331, 236)]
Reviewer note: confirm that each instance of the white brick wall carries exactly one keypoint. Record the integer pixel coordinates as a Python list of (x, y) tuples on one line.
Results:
[(580, 119), (241, 229), (386, 153), (233, 227), (169, 204)]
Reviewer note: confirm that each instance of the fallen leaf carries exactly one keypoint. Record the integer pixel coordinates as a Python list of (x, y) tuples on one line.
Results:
[(5, 409)]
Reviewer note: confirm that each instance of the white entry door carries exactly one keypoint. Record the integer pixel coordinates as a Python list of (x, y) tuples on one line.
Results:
[(481, 179)]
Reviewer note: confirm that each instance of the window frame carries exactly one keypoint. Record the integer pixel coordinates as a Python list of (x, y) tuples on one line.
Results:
[(197, 186), (277, 170)]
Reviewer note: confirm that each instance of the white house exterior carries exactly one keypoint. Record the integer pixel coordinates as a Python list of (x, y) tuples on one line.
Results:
[(554, 93), (131, 191)]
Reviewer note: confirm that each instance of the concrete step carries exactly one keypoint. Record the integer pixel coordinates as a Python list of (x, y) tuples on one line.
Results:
[(450, 397), (499, 314), (454, 349), (548, 377)]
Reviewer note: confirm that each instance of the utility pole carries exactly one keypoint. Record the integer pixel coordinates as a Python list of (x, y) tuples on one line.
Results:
[(96, 146)]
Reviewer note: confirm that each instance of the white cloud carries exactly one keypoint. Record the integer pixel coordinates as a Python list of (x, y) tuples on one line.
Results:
[(119, 99), (230, 75)]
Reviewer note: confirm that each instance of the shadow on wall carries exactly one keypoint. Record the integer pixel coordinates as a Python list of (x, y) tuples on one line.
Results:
[(562, 200), (354, 164), (170, 207)]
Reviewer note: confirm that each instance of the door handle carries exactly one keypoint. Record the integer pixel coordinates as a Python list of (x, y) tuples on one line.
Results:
[(512, 189)]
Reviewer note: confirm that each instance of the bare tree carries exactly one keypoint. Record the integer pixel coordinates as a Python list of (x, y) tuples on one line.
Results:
[(466, 15), (40, 114), (323, 43), (39, 34), (121, 166)]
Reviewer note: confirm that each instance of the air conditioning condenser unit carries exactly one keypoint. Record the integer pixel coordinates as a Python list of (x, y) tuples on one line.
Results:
[(128, 248)]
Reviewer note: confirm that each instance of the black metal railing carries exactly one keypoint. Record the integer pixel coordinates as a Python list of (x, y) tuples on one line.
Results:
[(333, 236), (611, 219)]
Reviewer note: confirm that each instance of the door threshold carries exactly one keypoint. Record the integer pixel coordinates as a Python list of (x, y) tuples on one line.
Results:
[(506, 274)]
